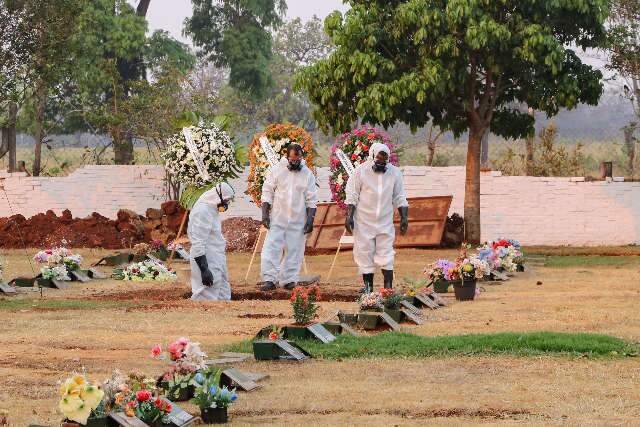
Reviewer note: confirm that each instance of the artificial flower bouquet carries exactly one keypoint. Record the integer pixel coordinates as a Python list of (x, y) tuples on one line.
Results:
[(440, 274), (148, 270), (154, 248), (185, 360), (58, 263), (502, 255), (371, 301), (303, 302), (80, 400), (390, 298), (212, 399)]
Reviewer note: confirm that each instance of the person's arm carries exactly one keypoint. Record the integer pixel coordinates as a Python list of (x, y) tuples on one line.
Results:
[(354, 184), (400, 202), (268, 192), (311, 203)]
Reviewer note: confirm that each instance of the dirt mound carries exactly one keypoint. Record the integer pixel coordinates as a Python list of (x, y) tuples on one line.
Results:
[(96, 231)]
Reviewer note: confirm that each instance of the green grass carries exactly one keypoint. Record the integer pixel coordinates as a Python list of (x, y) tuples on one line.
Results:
[(591, 261), (59, 304), (400, 345)]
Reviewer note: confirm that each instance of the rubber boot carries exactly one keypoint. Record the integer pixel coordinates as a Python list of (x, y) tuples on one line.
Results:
[(388, 279), (368, 283)]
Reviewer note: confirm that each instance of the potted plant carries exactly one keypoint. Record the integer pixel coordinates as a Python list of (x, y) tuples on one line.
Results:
[(303, 302), (79, 402), (212, 399), (391, 303), (438, 275), (469, 271), (147, 407), (186, 359), (369, 302)]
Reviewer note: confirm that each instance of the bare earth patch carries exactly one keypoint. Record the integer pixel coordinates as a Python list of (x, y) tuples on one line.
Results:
[(42, 344)]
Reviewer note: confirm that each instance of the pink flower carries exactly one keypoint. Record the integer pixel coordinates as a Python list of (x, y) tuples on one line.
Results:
[(156, 350), (183, 341), (143, 395)]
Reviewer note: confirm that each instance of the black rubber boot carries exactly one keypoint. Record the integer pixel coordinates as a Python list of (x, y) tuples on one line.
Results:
[(368, 283), (290, 286), (388, 279), (267, 286)]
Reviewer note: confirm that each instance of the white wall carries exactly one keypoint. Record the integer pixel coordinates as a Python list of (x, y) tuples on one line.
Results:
[(536, 211)]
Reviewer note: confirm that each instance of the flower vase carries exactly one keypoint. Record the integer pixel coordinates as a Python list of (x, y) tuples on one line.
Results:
[(97, 422), (465, 290), (295, 332), (394, 313), (520, 268), (182, 394), (214, 415), (441, 286)]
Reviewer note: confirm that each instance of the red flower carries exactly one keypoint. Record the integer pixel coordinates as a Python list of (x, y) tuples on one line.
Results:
[(274, 336), (365, 148), (370, 136), (158, 402), (167, 407), (353, 157), (143, 395)]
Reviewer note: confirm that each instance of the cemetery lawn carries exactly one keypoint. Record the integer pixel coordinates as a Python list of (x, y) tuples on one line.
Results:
[(555, 377)]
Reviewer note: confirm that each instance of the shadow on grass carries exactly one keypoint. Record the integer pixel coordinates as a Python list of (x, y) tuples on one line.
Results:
[(398, 345)]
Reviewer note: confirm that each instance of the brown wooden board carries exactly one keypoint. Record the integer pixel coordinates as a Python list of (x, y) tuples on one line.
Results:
[(80, 276), (124, 421), (411, 316), (6, 289), (321, 333), (232, 376), (389, 321), (427, 219), (427, 302)]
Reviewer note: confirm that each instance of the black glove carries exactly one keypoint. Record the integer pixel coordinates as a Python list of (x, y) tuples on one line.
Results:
[(266, 215), (207, 277), (311, 215), (404, 219), (350, 222)]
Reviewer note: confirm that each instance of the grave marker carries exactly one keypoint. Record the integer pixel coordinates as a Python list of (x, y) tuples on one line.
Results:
[(438, 299), (412, 308), (233, 376), (389, 321), (22, 282), (292, 353), (320, 332), (4, 288), (95, 274), (411, 316), (124, 421), (428, 302), (80, 276), (178, 417)]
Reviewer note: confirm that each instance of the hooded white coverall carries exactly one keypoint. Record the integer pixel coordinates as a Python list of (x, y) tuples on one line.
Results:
[(205, 235), (376, 197), (290, 193)]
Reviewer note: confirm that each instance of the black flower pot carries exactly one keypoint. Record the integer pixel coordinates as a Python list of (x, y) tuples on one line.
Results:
[(441, 286), (465, 290), (520, 268), (214, 415)]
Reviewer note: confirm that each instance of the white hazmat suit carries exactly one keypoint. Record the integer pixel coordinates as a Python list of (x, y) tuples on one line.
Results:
[(205, 235), (290, 194), (376, 196)]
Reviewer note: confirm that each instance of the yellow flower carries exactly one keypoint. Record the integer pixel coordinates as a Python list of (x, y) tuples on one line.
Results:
[(80, 415), (92, 396), (69, 405)]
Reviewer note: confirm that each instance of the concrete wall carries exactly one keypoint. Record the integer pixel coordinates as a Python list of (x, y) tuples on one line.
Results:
[(534, 210)]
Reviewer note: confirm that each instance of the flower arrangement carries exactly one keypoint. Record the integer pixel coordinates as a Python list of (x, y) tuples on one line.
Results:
[(411, 288), (280, 136), (218, 152), (209, 394), (186, 358), (79, 398), (502, 255), (146, 271), (371, 301), (441, 270), (147, 407), (355, 145), (121, 392), (60, 262), (473, 268), (390, 298), (275, 334), (303, 301)]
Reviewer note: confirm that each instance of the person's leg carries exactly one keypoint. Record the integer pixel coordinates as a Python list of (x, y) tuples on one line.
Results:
[(384, 257), (271, 256), (290, 270), (221, 278), (363, 255)]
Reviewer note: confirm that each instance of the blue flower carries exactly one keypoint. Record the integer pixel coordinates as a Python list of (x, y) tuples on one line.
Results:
[(225, 392), (199, 378), (213, 389), (234, 397)]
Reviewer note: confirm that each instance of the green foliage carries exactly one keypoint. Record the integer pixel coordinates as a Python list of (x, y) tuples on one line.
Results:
[(398, 345), (591, 261), (235, 34), (163, 51)]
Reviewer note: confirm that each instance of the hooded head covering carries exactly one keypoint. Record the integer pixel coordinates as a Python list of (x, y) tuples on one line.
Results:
[(377, 148), (212, 198)]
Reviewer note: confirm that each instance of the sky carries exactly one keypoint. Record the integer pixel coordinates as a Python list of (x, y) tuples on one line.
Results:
[(169, 14)]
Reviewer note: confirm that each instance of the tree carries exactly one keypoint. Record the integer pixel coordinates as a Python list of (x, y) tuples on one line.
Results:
[(234, 34), (624, 60), (460, 64)]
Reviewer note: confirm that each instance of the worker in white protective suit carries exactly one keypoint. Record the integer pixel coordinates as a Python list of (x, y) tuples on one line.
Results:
[(209, 276), (373, 191), (289, 199)]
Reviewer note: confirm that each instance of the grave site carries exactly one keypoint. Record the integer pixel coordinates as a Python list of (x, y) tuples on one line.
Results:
[(336, 213)]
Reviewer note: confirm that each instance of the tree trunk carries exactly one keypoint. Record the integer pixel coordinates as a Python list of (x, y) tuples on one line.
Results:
[(472, 188), (431, 151), (41, 102), (630, 148), (122, 149), (529, 148), (11, 136), (484, 150)]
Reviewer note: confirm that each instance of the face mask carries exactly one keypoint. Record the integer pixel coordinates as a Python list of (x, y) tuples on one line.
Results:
[(295, 166), (379, 166), (223, 206)]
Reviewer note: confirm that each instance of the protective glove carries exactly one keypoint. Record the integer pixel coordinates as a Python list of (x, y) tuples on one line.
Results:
[(404, 219), (311, 215), (207, 277), (266, 215), (350, 222)]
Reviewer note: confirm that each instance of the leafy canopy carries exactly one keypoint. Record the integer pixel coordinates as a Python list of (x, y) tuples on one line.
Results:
[(462, 63)]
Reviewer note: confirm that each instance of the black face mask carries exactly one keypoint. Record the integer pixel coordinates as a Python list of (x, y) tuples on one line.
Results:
[(295, 166), (379, 166), (223, 206)]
